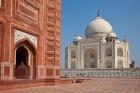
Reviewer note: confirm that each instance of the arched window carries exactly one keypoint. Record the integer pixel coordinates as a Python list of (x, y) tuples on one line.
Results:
[(108, 64), (120, 64), (73, 65), (120, 52), (73, 54), (109, 52)]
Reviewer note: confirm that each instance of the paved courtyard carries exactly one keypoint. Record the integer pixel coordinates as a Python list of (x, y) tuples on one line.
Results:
[(96, 85)]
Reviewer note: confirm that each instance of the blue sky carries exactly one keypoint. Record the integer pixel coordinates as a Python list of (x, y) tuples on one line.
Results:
[(123, 15)]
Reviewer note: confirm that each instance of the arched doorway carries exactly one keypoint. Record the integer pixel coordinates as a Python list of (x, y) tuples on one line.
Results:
[(90, 58), (25, 60), (22, 59)]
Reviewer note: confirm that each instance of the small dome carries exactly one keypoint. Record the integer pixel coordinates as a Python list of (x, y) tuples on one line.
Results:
[(77, 38), (118, 41), (112, 35), (98, 25)]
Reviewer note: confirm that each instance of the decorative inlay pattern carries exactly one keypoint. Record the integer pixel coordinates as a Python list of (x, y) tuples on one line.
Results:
[(27, 11), (51, 3), (19, 35), (98, 73), (51, 11), (51, 20), (53, 32)]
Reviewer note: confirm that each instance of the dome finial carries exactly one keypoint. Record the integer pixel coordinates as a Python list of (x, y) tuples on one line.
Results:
[(98, 13)]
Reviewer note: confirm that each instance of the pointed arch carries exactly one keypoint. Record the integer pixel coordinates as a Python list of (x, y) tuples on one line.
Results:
[(25, 59), (120, 52), (73, 54), (90, 58), (27, 42)]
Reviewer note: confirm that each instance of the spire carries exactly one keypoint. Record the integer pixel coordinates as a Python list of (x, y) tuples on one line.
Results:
[(125, 38), (98, 13)]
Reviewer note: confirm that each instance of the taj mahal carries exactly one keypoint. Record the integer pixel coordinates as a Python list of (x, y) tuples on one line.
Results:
[(100, 48)]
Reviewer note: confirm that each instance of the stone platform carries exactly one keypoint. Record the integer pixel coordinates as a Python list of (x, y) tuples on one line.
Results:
[(101, 73), (96, 85)]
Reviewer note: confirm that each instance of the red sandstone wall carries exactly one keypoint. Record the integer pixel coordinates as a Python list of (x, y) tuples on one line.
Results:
[(53, 44), (40, 18)]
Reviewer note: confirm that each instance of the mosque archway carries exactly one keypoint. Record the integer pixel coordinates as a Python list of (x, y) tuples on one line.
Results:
[(25, 61), (90, 58), (22, 59)]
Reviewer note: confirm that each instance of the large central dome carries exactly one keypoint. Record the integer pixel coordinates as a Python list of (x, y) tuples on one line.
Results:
[(98, 25)]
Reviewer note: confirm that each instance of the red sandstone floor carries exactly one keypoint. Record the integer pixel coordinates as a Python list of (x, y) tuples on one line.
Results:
[(97, 85)]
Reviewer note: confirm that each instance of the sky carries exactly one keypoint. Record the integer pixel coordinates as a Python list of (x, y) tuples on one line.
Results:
[(123, 15)]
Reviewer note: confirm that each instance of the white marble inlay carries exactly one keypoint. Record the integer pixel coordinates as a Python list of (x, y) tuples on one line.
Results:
[(19, 35)]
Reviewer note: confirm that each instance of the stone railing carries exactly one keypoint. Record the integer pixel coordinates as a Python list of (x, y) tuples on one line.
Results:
[(100, 73)]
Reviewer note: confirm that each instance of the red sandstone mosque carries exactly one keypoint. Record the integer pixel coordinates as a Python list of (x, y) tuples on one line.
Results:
[(29, 41)]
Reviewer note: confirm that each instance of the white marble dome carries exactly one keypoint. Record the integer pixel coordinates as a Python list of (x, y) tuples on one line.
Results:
[(99, 25), (77, 38)]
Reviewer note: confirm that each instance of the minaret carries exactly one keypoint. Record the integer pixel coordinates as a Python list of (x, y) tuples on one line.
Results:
[(125, 39)]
